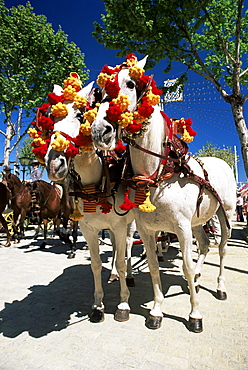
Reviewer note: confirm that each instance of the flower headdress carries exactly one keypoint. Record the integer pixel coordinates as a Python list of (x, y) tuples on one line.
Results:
[(44, 125)]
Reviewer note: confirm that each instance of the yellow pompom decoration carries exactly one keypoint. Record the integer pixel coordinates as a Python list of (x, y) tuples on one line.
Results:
[(87, 148), (152, 99), (122, 101), (69, 93), (80, 101), (74, 81), (126, 119), (147, 206), (90, 115), (132, 61), (33, 133), (138, 118), (59, 110), (136, 72), (186, 136), (102, 79), (60, 143), (85, 128), (39, 141), (76, 215)]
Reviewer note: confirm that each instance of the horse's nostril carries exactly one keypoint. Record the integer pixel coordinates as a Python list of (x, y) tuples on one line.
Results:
[(107, 130)]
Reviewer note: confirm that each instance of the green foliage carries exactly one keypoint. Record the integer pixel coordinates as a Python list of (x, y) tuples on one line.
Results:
[(33, 57), (26, 150), (194, 32), (211, 150)]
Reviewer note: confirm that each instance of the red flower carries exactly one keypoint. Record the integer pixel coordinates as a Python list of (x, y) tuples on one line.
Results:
[(145, 110), (54, 99), (46, 123), (82, 140), (113, 113), (44, 107), (71, 151), (135, 127), (112, 88)]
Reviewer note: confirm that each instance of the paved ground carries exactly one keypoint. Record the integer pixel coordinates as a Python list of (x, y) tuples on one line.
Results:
[(45, 300)]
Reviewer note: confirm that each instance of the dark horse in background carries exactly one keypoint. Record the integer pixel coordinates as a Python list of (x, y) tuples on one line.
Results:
[(4, 200), (20, 202), (56, 206)]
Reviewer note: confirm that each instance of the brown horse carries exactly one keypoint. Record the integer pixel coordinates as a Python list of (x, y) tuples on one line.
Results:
[(20, 203), (4, 200), (53, 206)]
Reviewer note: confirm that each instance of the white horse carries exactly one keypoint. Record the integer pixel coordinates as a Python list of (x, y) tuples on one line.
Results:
[(88, 165), (175, 199)]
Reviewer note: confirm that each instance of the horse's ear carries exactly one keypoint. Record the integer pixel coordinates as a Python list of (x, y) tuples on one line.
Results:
[(86, 90), (141, 63), (57, 90)]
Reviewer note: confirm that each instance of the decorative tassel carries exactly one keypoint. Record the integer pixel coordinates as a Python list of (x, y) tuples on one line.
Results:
[(147, 206), (105, 207), (186, 136), (76, 215), (127, 204)]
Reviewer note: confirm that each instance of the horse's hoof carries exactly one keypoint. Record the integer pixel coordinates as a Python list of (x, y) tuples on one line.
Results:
[(153, 322), (112, 278), (195, 325), (130, 281), (71, 255), (197, 288), (97, 315), (7, 245), (222, 296), (121, 315), (160, 258)]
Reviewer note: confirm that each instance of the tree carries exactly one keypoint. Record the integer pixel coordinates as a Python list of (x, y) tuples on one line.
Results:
[(33, 57), (211, 150), (210, 37)]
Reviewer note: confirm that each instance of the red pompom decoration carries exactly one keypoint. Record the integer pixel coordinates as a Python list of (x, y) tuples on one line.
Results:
[(127, 205), (135, 127), (145, 110), (71, 151), (112, 88), (82, 140), (108, 70), (54, 99), (44, 107), (46, 123), (113, 113), (120, 147)]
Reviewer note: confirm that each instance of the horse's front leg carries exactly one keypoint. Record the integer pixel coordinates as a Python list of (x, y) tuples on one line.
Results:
[(5, 225), (91, 237), (184, 235), (123, 309), (73, 245), (154, 319), (113, 274), (44, 243)]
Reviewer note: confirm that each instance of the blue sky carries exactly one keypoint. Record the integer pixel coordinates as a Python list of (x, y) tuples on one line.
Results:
[(212, 118)]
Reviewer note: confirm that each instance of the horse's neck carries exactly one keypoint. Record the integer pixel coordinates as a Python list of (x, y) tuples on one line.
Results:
[(144, 163), (89, 167), (17, 185)]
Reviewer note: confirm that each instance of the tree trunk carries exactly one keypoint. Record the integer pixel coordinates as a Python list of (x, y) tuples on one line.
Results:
[(7, 149), (239, 120)]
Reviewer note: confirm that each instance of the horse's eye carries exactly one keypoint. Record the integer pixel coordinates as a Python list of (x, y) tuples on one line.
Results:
[(130, 84), (79, 115)]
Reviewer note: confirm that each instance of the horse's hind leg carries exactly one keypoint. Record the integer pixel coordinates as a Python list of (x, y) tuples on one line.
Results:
[(44, 243), (225, 234), (203, 248)]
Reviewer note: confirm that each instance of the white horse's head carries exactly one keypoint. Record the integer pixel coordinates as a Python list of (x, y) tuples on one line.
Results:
[(65, 128), (104, 130)]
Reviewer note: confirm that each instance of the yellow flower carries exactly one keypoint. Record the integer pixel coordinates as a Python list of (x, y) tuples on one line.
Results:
[(126, 119), (80, 101), (33, 133), (69, 93), (73, 81), (152, 99), (102, 79), (39, 141), (59, 110), (90, 115), (122, 101), (136, 72), (59, 143), (85, 128)]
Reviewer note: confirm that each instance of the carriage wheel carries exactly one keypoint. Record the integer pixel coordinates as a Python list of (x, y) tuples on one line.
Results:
[(9, 217)]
